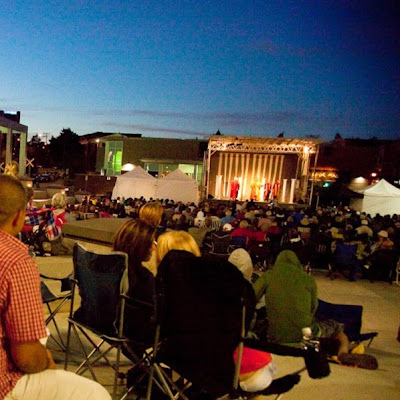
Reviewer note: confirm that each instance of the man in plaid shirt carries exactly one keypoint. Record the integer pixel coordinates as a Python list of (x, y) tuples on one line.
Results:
[(27, 368)]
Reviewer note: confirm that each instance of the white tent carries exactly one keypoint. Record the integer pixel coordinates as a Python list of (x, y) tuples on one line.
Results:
[(381, 198), (178, 186), (135, 183)]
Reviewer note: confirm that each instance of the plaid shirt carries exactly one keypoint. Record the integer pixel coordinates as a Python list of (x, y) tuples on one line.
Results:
[(33, 217), (21, 307)]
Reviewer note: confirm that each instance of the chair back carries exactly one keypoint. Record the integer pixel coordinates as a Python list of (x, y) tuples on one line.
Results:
[(349, 315), (198, 234), (220, 244), (215, 223), (345, 254), (239, 242), (98, 277), (200, 306)]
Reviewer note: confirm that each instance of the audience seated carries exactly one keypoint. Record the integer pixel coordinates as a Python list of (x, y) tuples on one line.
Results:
[(137, 239), (27, 369), (291, 310)]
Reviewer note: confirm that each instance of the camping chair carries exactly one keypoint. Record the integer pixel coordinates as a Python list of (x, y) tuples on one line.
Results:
[(198, 235), (261, 253), (349, 315), (48, 298), (203, 311), (215, 223), (239, 242), (101, 313), (344, 258), (220, 245), (382, 265), (321, 245)]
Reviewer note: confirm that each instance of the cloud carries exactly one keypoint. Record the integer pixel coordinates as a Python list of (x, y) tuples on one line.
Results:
[(226, 118)]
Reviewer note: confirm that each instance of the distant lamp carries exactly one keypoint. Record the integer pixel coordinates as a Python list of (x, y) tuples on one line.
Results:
[(127, 167), (374, 174)]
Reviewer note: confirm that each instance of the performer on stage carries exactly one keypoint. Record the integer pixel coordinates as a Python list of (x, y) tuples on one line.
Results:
[(234, 188), (276, 188), (255, 190), (267, 190)]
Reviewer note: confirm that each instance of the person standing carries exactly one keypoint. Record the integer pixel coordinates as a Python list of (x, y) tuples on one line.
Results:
[(27, 368)]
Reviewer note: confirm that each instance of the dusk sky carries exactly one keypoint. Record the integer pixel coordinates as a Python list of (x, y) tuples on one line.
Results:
[(167, 68)]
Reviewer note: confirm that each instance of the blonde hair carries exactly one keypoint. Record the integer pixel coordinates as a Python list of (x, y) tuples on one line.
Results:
[(151, 213), (176, 240), (12, 169), (243, 224), (59, 200)]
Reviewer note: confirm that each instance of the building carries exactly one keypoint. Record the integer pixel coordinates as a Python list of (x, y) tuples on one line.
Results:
[(361, 161), (158, 156), (13, 137)]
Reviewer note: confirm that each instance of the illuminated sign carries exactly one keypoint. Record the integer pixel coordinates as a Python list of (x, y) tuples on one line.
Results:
[(325, 175)]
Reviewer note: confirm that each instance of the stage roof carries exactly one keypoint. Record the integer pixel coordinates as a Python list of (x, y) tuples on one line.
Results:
[(262, 145)]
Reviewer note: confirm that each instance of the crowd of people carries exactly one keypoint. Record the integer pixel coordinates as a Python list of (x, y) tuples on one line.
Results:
[(296, 237)]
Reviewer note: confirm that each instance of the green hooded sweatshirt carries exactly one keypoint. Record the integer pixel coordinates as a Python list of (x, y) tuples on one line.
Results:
[(290, 299)]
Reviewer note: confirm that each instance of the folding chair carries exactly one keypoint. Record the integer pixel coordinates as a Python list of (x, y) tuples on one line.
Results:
[(349, 315), (344, 258), (48, 298), (203, 311), (382, 265), (101, 313), (220, 245), (239, 242)]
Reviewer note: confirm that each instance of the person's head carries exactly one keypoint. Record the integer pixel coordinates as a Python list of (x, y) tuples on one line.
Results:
[(241, 259), (136, 238), (59, 200), (176, 240), (383, 235), (12, 169), (151, 213), (12, 204), (243, 224)]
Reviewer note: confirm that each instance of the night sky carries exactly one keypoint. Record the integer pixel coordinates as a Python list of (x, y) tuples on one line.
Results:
[(168, 68)]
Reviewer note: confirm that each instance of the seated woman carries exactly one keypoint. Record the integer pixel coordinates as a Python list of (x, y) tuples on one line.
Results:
[(257, 368), (136, 238), (176, 240)]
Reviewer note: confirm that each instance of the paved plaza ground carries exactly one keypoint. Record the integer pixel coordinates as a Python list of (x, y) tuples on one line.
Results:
[(381, 303)]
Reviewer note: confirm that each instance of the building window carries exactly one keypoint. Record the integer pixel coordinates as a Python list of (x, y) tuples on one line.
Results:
[(113, 157), (159, 170)]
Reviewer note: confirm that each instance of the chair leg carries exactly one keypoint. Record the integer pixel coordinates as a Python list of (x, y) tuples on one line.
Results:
[(51, 318), (67, 347)]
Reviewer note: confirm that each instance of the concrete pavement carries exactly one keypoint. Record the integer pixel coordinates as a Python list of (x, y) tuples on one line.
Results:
[(381, 303)]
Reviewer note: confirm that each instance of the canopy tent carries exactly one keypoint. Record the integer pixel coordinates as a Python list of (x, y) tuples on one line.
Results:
[(135, 183), (381, 198), (178, 186)]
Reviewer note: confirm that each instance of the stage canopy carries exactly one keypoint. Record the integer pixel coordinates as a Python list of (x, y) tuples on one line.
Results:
[(259, 169)]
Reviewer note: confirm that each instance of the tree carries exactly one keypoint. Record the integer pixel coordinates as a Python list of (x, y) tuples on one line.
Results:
[(38, 150), (67, 152)]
